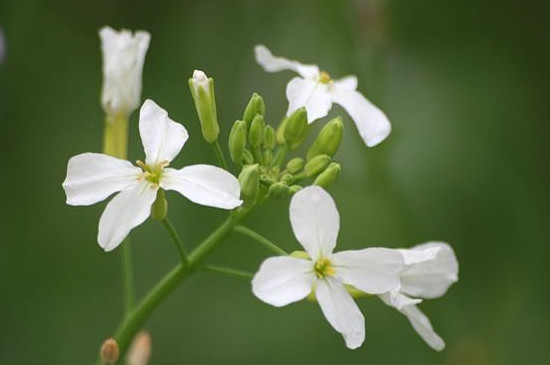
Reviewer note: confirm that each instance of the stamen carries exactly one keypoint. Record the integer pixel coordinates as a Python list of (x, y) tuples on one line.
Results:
[(323, 268), (324, 77), (141, 164)]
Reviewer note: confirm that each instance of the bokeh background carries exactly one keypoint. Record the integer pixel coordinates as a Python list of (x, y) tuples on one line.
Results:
[(465, 85)]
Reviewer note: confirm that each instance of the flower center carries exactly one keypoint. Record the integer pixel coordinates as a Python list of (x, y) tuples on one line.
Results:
[(152, 173), (323, 268), (324, 78)]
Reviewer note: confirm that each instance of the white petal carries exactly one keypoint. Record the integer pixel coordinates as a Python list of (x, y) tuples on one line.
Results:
[(205, 185), (312, 95), (283, 280), (348, 83), (397, 300), (372, 270), (271, 63), (431, 276), (162, 138), (371, 122), (423, 327), (315, 221), (341, 311), (92, 177), (128, 209)]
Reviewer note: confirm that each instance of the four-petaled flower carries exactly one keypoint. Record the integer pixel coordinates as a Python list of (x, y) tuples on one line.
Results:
[(430, 269), (92, 177), (286, 279), (316, 91)]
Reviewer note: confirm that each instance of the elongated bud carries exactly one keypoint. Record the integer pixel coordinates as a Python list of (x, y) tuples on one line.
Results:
[(248, 158), (329, 176), (294, 189), (268, 157), (202, 90), (295, 165), (237, 141), (256, 134), (160, 206), (255, 106), (140, 350), (249, 179), (329, 139), (280, 133), (269, 137), (279, 191), (316, 165), (109, 351), (296, 128)]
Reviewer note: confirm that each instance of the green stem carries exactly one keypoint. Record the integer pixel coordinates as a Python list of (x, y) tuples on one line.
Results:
[(260, 239), (177, 240), (219, 154), (127, 277), (229, 271), (115, 136)]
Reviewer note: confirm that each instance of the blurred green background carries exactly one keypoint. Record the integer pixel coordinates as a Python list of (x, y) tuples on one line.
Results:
[(466, 87)]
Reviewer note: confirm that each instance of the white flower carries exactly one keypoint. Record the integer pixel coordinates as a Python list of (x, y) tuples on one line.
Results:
[(430, 269), (316, 91), (123, 58), (283, 280), (92, 177)]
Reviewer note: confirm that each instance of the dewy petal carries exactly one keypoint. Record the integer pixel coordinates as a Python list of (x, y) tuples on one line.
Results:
[(283, 280), (271, 63), (372, 270), (341, 311), (315, 221), (423, 327), (92, 177), (371, 122), (312, 95), (348, 83), (128, 209), (205, 185), (431, 277), (162, 138)]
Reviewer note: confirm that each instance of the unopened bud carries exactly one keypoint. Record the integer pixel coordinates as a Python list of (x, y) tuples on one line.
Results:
[(109, 351), (160, 206), (248, 158), (256, 134), (202, 90), (140, 350), (280, 133), (329, 139), (249, 179), (316, 165), (329, 176), (296, 128), (237, 141), (279, 191), (295, 165), (294, 189), (255, 106), (268, 157), (269, 137), (287, 178)]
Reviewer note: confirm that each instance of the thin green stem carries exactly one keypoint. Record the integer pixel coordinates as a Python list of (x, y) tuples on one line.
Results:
[(260, 239), (229, 271), (176, 239), (219, 154), (127, 276)]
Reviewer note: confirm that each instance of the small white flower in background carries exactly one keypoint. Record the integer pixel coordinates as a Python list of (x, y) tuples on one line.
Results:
[(286, 279), (316, 91), (92, 177), (430, 269), (123, 59)]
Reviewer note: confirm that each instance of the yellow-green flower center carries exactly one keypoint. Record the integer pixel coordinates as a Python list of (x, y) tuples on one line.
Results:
[(152, 173), (324, 77), (323, 268)]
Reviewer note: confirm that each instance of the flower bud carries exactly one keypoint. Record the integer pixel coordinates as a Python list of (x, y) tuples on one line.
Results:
[(140, 350), (295, 165), (248, 158), (294, 189), (268, 157), (237, 141), (296, 128), (316, 165), (269, 137), (256, 134), (255, 106), (159, 209), (329, 176), (109, 351), (280, 133), (329, 139), (202, 90), (249, 179), (287, 178), (279, 191)]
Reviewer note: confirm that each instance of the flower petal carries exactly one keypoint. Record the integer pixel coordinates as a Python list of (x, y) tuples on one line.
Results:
[(372, 270), (348, 83), (371, 122), (310, 94), (92, 177), (271, 63), (397, 300), (423, 327), (205, 185), (283, 280), (162, 138), (433, 270), (315, 221), (128, 209), (341, 311)]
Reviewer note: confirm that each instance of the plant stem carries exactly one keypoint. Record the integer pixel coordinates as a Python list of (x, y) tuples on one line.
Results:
[(229, 271), (219, 155), (177, 240), (127, 277), (260, 239), (115, 136)]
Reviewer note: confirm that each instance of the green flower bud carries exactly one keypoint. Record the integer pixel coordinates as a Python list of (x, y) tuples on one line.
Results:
[(268, 157), (237, 141), (269, 137), (329, 176), (249, 179), (279, 191), (256, 134), (294, 189), (295, 165), (329, 139), (202, 90), (316, 165), (248, 158), (280, 134), (255, 106), (296, 128), (159, 207), (287, 178)]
